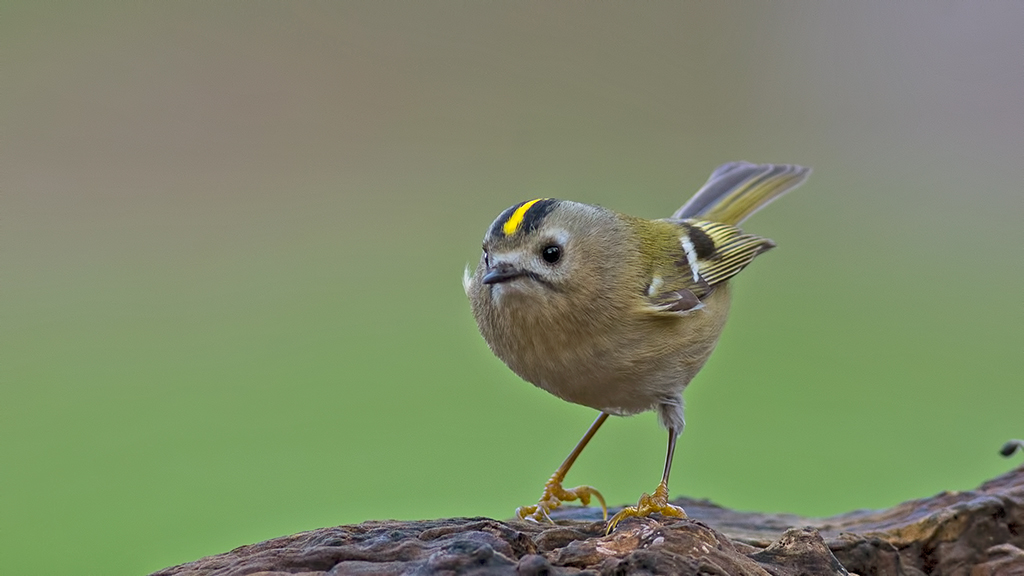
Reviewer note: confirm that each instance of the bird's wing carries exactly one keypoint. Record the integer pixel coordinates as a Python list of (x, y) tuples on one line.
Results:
[(709, 254)]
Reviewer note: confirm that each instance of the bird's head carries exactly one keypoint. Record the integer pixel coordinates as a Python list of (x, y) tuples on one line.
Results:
[(546, 248)]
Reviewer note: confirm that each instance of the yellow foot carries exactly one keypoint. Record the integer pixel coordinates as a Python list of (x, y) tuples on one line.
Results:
[(553, 497), (648, 504)]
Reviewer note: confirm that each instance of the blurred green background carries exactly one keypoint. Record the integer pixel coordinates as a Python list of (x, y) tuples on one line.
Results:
[(233, 236)]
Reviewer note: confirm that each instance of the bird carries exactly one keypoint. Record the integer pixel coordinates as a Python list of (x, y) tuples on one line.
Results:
[(615, 312)]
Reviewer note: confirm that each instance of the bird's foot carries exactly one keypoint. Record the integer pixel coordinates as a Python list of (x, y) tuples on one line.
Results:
[(553, 496), (648, 504)]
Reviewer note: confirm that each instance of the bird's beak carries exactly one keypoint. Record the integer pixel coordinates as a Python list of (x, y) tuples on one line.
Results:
[(501, 272)]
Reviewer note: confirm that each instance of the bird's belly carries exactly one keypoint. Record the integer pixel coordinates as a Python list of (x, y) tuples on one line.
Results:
[(618, 381), (623, 375), (612, 395)]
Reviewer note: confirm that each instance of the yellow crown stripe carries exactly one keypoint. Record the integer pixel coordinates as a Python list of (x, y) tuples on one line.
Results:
[(516, 219)]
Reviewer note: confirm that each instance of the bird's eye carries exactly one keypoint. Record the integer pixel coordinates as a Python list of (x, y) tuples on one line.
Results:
[(487, 259), (551, 254)]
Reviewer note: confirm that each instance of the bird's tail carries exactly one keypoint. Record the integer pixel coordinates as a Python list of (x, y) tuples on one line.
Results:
[(738, 189)]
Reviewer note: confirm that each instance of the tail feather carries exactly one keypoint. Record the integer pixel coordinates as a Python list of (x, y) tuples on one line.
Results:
[(738, 189)]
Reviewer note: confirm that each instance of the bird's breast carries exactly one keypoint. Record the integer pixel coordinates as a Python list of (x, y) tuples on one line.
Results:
[(608, 358)]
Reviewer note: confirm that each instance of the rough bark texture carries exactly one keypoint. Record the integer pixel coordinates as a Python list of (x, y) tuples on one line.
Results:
[(975, 533)]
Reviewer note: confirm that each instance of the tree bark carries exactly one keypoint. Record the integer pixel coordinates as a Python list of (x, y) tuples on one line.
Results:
[(974, 533)]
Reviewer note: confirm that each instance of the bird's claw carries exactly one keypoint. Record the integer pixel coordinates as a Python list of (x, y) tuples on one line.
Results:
[(553, 496), (648, 504)]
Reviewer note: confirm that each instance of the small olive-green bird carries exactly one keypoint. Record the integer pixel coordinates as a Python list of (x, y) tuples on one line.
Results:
[(616, 312)]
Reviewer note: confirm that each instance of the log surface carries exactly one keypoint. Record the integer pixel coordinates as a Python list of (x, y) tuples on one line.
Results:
[(974, 533)]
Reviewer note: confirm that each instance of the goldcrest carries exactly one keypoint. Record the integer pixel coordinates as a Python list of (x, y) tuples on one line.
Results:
[(616, 312)]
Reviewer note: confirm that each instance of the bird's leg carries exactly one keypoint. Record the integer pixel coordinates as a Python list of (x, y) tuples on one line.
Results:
[(554, 494), (657, 502)]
